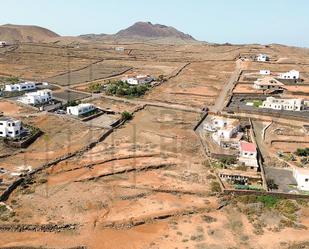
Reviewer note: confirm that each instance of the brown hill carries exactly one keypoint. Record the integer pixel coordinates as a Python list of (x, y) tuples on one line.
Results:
[(152, 31), (25, 33)]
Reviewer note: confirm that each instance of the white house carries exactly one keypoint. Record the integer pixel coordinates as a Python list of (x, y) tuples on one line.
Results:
[(268, 83), (226, 131), (284, 104), (10, 127), (264, 72), (38, 97), (293, 74), (119, 49), (302, 178), (138, 80), (2, 44), (262, 57), (25, 86), (80, 109), (248, 154)]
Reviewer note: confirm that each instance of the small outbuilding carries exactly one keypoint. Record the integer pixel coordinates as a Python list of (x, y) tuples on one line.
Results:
[(302, 178)]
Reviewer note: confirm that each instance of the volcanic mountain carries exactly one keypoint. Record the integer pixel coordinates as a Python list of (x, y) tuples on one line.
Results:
[(148, 30)]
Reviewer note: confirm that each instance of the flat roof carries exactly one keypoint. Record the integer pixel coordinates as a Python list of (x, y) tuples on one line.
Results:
[(3, 118)]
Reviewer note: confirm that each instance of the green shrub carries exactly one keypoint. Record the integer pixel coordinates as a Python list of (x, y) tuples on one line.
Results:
[(126, 115), (12, 80), (271, 184), (95, 88), (228, 160), (257, 103), (215, 187), (267, 200), (302, 152)]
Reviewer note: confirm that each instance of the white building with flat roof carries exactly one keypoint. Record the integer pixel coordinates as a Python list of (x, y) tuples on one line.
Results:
[(138, 80), (10, 127), (284, 104), (119, 49), (36, 98), (264, 72), (225, 131), (24, 86), (248, 154), (262, 57), (80, 109), (293, 74), (302, 178), (2, 44)]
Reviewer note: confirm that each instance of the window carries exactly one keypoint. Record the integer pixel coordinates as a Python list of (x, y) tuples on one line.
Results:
[(10, 132), (306, 180), (1, 123)]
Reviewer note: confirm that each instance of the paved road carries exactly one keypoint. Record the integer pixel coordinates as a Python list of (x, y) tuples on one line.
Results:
[(220, 101)]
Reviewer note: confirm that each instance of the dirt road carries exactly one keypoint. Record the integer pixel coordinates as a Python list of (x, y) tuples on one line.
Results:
[(144, 102), (226, 90)]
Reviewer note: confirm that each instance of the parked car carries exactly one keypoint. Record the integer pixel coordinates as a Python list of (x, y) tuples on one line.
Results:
[(61, 112)]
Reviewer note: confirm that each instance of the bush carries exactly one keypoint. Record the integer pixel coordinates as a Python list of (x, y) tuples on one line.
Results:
[(95, 88), (271, 184), (12, 80), (72, 103), (228, 160), (302, 152), (267, 200), (126, 115), (257, 103), (215, 187)]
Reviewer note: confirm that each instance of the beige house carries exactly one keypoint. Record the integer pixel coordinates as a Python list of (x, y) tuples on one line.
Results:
[(284, 104), (268, 83)]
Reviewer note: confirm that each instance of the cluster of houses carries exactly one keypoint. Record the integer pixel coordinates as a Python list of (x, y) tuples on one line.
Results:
[(290, 75), (35, 97), (226, 132), (272, 84), (138, 79), (31, 97)]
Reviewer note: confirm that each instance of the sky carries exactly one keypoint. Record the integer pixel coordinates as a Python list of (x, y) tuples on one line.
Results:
[(233, 21)]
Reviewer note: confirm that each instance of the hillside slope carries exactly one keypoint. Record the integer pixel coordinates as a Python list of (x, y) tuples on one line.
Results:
[(25, 33)]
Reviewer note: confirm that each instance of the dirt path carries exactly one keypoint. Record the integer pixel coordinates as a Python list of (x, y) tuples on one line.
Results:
[(226, 90)]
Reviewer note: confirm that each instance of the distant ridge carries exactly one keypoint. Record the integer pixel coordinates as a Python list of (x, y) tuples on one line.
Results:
[(25, 33)]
